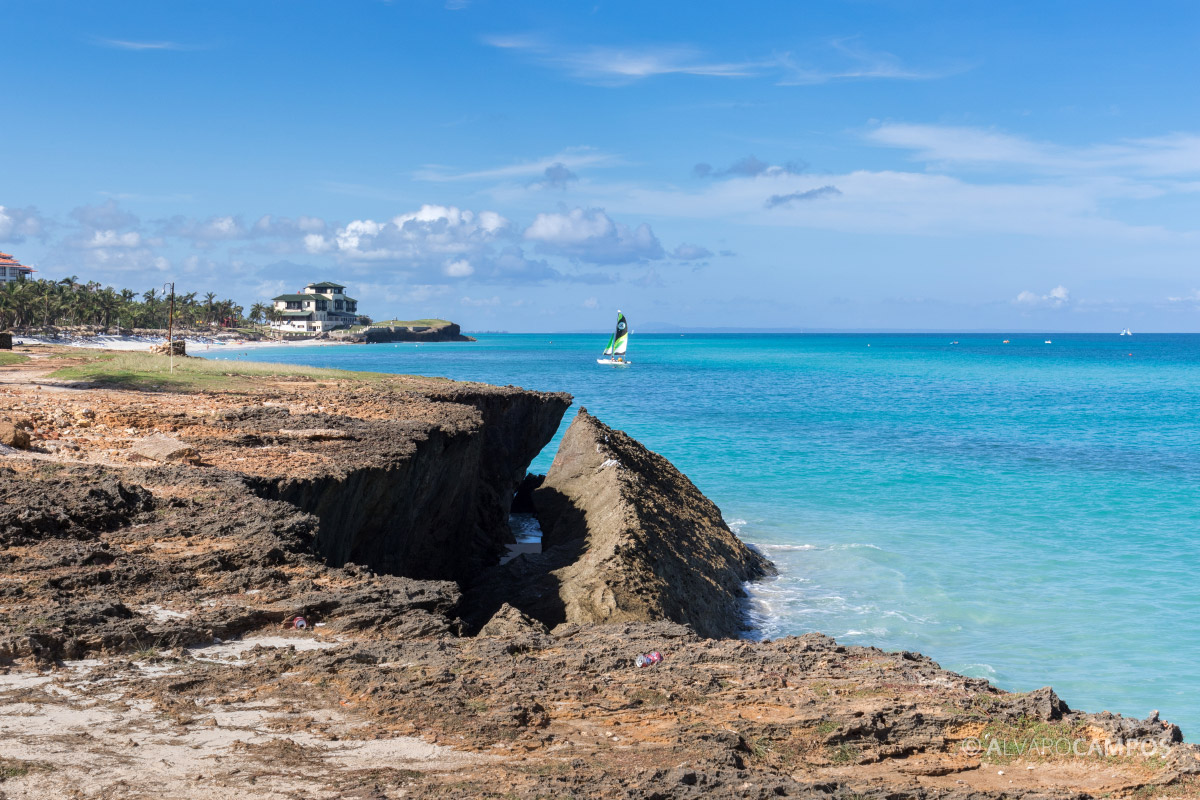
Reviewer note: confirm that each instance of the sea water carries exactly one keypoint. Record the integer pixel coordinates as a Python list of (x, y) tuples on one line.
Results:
[(1026, 512)]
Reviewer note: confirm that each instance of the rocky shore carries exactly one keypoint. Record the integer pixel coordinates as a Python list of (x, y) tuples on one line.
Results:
[(238, 583), (450, 332)]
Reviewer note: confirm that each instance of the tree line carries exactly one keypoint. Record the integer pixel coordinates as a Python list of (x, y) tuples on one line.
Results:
[(45, 303)]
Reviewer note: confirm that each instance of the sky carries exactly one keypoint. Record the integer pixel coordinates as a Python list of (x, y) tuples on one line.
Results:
[(531, 166)]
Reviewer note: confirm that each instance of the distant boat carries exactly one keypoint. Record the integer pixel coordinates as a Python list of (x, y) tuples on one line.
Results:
[(617, 344), (1049, 342), (1126, 332)]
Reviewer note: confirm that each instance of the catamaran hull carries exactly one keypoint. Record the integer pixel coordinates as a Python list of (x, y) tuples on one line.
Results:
[(612, 363)]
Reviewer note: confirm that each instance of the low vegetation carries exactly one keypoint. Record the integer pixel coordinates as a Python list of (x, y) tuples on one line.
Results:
[(149, 371)]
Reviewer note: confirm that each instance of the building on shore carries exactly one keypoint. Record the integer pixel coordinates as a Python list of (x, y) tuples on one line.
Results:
[(315, 308), (13, 270)]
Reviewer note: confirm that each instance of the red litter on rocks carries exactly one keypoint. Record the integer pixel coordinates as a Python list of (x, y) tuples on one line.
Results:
[(299, 623)]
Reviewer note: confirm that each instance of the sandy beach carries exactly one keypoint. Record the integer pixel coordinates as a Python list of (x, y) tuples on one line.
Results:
[(195, 345)]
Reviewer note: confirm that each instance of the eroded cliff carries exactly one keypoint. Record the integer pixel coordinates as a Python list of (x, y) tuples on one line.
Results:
[(626, 538)]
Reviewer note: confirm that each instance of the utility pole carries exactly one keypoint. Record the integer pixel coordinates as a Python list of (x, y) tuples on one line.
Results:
[(171, 325)]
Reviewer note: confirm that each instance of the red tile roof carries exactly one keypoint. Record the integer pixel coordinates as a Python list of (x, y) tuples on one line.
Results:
[(7, 260)]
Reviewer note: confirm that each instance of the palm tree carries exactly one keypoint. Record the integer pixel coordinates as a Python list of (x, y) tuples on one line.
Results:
[(209, 309)]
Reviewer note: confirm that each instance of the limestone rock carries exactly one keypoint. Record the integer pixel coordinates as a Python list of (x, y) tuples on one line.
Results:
[(13, 435), (160, 447), (626, 538), (315, 434), (176, 348), (508, 621)]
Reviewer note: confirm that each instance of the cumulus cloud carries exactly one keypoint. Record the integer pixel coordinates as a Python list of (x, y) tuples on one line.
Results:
[(776, 200), (480, 302), (439, 244), (203, 233), (18, 224), (591, 236), (108, 214), (556, 176), (103, 239), (1058, 297), (690, 252), (459, 268)]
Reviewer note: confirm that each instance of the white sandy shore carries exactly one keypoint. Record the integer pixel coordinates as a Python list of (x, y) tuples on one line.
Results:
[(196, 346)]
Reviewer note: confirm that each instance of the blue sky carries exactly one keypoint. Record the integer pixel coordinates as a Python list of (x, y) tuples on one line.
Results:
[(534, 166)]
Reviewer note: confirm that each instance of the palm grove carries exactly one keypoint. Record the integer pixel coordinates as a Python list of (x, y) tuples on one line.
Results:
[(44, 303)]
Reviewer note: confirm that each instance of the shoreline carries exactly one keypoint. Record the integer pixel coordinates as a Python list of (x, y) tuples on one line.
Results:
[(144, 343), (526, 707)]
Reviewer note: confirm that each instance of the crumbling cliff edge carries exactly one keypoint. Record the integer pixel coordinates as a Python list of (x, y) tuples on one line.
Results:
[(286, 584)]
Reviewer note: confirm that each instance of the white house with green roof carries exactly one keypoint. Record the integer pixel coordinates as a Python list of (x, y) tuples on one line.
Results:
[(317, 307)]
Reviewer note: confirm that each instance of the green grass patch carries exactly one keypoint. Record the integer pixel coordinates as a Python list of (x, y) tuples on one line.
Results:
[(7, 359), (154, 372), (16, 768)]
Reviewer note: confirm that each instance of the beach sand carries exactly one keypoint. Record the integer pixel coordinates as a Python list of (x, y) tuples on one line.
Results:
[(144, 343)]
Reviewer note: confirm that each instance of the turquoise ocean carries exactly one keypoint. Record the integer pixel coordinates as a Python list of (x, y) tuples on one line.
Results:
[(1027, 513)]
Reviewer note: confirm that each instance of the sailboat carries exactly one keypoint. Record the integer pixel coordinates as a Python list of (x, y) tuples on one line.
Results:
[(1127, 332), (617, 344)]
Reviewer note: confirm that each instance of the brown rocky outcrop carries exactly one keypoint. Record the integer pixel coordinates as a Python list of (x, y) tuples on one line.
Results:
[(177, 347), (627, 538), (159, 447), (424, 496), (13, 435)]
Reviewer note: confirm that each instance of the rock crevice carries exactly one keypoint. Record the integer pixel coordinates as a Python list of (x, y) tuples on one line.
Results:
[(626, 538)]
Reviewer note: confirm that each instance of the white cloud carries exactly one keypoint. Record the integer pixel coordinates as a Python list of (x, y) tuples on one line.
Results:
[(569, 159), (591, 302), (103, 239), (616, 66), (899, 202), (591, 235), (17, 224), (1058, 297), (854, 61), (128, 44), (1175, 154), (458, 269), (624, 64), (480, 302), (690, 252)]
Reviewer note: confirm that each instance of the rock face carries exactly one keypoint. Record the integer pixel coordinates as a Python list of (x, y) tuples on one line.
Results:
[(626, 538), (425, 500), (403, 333)]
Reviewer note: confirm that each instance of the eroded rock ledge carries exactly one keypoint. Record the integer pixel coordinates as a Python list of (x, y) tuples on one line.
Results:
[(626, 538)]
